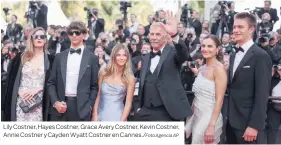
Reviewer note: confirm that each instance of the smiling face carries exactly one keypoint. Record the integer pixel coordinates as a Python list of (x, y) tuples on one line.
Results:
[(209, 48), (242, 31), (39, 39), (121, 57), (157, 37)]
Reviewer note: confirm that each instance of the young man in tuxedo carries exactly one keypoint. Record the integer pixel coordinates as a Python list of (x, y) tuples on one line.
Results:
[(161, 94), (249, 85), (72, 85)]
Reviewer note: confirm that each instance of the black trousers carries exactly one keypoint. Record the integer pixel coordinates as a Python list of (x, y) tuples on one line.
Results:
[(153, 114), (273, 122), (235, 136), (71, 113)]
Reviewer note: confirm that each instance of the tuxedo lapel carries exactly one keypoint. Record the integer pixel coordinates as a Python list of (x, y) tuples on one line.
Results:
[(164, 54), (84, 64), (145, 65), (64, 65), (245, 59)]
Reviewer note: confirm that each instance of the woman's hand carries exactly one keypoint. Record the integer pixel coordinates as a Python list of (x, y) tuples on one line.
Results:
[(28, 96), (209, 134)]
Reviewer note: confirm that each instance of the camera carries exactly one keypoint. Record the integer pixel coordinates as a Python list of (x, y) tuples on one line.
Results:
[(275, 69), (229, 49), (6, 10), (90, 13), (103, 40), (124, 5), (256, 10), (193, 64)]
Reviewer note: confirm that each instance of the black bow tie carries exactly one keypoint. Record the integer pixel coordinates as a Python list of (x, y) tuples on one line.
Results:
[(75, 50), (153, 54), (239, 49)]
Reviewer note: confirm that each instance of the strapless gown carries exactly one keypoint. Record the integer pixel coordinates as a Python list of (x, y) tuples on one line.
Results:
[(203, 106), (111, 103)]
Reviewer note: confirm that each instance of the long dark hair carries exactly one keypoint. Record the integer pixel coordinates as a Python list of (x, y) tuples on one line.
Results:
[(219, 55)]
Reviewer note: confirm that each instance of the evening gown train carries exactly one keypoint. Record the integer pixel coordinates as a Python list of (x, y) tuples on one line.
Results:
[(111, 103), (203, 106)]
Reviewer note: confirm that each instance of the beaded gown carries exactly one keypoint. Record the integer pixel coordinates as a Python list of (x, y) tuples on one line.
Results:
[(203, 106)]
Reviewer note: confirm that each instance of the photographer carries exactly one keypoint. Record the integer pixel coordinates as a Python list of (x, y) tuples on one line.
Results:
[(267, 9), (265, 26), (101, 55), (57, 42), (5, 55), (181, 29), (135, 45), (273, 113), (191, 40), (275, 47), (195, 23), (38, 14), (268, 42), (107, 45), (136, 61), (227, 46), (14, 30), (95, 23)]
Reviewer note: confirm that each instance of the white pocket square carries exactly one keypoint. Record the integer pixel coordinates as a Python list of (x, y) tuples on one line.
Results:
[(246, 66), (88, 65)]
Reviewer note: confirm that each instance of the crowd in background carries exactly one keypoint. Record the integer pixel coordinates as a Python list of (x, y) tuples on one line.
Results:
[(192, 31)]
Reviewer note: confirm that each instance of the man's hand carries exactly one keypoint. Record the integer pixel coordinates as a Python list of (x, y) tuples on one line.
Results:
[(60, 107), (171, 24), (250, 134)]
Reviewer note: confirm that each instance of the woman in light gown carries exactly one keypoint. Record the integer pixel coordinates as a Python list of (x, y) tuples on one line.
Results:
[(116, 84), (206, 123)]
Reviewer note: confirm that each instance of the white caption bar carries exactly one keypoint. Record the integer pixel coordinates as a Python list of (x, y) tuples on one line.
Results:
[(99, 133)]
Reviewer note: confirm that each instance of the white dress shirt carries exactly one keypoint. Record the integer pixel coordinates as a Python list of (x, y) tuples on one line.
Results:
[(72, 73), (155, 60), (276, 92), (239, 55)]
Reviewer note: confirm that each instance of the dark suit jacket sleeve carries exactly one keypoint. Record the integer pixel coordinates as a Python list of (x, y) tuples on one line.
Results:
[(262, 89), (101, 24), (181, 52), (94, 80), (51, 84), (274, 15)]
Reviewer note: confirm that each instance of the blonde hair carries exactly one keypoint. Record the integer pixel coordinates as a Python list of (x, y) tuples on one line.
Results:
[(29, 51), (111, 67)]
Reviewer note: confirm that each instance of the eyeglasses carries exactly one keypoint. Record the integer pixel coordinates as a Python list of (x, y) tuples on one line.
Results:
[(77, 33), (39, 36)]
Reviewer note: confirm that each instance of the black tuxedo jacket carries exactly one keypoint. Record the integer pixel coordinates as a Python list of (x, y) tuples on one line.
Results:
[(249, 89), (87, 82), (168, 80)]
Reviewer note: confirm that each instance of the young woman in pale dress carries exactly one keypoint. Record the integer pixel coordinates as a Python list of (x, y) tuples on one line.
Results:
[(206, 123), (116, 85)]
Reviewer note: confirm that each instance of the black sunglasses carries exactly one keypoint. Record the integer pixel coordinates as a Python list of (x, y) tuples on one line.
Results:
[(77, 33), (39, 36)]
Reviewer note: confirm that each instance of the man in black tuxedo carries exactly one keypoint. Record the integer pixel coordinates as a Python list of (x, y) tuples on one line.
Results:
[(95, 24), (249, 85), (72, 85), (161, 95), (195, 23)]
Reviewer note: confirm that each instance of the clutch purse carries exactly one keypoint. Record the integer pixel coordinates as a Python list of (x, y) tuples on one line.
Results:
[(26, 107)]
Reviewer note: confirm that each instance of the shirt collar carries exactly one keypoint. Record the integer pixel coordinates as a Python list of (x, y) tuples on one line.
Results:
[(160, 49), (247, 45)]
